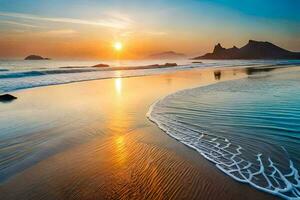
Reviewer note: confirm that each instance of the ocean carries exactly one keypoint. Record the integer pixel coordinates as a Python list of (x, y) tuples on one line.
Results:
[(249, 128), (22, 74)]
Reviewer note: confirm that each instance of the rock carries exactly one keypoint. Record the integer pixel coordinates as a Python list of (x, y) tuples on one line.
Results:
[(217, 75), (35, 57), (170, 64), (252, 50), (160, 66), (197, 62), (154, 65), (7, 98), (101, 65)]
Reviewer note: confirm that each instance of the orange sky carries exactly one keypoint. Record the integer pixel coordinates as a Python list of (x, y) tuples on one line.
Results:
[(63, 29), (97, 43)]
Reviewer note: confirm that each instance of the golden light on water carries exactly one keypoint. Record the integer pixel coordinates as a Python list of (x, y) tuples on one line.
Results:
[(120, 142), (118, 85), (118, 46)]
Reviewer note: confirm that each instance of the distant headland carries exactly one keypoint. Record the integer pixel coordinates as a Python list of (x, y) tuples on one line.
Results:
[(167, 55), (35, 57), (252, 50)]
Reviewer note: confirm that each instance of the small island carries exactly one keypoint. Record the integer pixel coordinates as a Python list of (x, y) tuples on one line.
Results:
[(167, 55), (35, 57), (101, 65)]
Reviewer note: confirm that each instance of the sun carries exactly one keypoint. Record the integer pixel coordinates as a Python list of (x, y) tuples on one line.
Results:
[(118, 46)]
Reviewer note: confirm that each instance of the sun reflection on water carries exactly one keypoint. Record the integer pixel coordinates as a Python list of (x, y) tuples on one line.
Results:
[(118, 86), (121, 152)]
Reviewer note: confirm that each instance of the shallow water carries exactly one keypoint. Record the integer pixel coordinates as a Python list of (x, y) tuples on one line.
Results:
[(22, 74), (249, 128)]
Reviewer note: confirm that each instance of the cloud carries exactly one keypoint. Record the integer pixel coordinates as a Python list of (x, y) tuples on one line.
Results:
[(18, 23), (107, 21), (61, 32)]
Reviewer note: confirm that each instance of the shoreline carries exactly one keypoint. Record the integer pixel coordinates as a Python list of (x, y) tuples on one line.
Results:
[(125, 133), (19, 80), (175, 68)]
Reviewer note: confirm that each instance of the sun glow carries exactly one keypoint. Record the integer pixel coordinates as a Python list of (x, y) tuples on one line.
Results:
[(118, 46)]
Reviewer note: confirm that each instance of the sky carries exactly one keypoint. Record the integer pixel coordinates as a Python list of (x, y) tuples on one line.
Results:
[(87, 29)]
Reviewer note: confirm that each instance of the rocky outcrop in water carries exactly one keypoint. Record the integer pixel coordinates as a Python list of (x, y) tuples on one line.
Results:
[(35, 57), (101, 65)]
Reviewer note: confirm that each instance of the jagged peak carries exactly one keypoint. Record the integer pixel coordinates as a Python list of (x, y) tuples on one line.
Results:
[(218, 45), (218, 48)]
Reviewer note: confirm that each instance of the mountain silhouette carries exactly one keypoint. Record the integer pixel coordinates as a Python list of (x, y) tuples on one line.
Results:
[(167, 55), (252, 50)]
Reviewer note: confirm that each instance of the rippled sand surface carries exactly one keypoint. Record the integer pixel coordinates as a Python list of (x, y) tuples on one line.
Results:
[(92, 140)]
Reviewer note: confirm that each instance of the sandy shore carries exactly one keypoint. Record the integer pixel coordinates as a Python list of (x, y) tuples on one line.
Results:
[(93, 141)]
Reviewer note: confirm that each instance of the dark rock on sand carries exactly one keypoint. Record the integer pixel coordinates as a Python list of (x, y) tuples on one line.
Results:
[(252, 50), (35, 57), (217, 75), (101, 65), (7, 98)]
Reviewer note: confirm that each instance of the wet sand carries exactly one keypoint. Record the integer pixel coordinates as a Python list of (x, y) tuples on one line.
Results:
[(102, 146)]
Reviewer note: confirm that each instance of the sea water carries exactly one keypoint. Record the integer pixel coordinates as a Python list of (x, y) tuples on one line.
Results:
[(249, 128), (22, 74)]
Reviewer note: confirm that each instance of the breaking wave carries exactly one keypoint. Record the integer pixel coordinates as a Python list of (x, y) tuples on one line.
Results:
[(16, 80)]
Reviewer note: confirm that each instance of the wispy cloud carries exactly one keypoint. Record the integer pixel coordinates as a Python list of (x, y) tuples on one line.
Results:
[(106, 21), (61, 32), (18, 23)]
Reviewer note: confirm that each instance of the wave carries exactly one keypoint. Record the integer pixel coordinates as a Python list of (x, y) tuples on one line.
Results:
[(215, 121), (11, 78), (16, 80)]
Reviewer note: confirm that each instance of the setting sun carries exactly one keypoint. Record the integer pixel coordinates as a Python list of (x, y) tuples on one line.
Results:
[(118, 46)]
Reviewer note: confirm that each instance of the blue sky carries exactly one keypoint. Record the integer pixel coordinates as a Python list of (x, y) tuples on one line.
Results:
[(190, 26)]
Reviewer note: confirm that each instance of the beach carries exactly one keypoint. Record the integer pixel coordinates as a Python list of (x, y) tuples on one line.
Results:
[(149, 100), (92, 140)]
